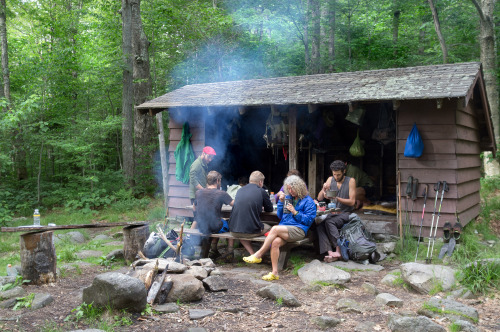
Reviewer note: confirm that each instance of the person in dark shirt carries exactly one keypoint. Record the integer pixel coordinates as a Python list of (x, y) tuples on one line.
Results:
[(208, 203), (328, 229), (248, 204)]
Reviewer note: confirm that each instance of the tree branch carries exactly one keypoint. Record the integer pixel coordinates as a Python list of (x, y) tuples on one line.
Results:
[(479, 10)]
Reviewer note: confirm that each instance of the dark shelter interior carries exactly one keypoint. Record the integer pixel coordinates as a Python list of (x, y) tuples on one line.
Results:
[(257, 139)]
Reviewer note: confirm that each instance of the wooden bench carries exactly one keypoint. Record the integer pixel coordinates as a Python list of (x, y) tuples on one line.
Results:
[(284, 250)]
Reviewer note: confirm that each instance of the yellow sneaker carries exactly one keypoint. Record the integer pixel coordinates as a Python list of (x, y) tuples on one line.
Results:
[(270, 277), (252, 259)]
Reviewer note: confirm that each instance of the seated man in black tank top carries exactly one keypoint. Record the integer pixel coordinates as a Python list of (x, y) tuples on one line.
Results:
[(328, 229)]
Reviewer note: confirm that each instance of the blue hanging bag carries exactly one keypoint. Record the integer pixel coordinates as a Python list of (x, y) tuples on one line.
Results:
[(414, 144)]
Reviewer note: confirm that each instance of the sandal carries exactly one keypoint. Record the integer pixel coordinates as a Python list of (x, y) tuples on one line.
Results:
[(457, 230), (446, 231), (270, 277), (252, 259)]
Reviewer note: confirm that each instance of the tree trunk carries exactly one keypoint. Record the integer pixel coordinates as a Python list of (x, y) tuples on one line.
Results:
[(128, 94), (487, 43), (5, 51), (437, 27), (305, 40), (38, 258), (395, 26), (331, 38), (134, 238), (316, 31), (143, 123)]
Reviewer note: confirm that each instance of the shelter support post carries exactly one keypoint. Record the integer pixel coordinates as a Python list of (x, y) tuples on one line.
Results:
[(312, 174), (292, 138)]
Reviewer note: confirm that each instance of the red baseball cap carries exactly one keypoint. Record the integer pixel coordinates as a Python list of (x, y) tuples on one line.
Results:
[(209, 150)]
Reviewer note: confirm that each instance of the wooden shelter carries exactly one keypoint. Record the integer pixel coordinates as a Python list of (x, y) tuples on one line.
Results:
[(300, 122)]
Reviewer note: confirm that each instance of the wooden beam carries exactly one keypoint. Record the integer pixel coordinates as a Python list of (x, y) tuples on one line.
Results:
[(396, 104), (292, 138), (312, 108), (311, 176), (439, 103)]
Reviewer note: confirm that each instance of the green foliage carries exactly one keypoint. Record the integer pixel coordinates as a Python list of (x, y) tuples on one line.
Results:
[(279, 301), (296, 262), (85, 311), (454, 327), (24, 302), (148, 311), (19, 281), (67, 253), (104, 261), (479, 277)]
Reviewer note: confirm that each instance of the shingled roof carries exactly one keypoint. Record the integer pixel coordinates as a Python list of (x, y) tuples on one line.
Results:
[(425, 82)]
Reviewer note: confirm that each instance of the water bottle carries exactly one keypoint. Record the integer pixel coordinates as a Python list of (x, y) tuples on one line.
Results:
[(11, 271), (273, 199), (36, 218)]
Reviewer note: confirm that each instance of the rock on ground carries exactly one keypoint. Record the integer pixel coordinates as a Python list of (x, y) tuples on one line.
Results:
[(41, 300), (424, 278), (186, 288), (276, 292), (118, 291), (436, 307), (398, 323), (321, 272)]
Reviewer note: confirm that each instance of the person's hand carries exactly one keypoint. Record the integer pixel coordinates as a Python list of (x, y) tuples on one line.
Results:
[(281, 196), (291, 208)]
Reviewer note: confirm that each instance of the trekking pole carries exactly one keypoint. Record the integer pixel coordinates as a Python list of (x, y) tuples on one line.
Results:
[(436, 190), (445, 188), (408, 194), (426, 189), (414, 194)]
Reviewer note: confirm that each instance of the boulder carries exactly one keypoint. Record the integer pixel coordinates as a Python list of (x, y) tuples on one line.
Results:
[(73, 236), (88, 254), (186, 288), (398, 323), (424, 278), (167, 308), (388, 300), (215, 284), (279, 293), (356, 266), (41, 300), (173, 267), (197, 271), (7, 280), (102, 237), (325, 322), (17, 291), (118, 291), (321, 272), (389, 280), (386, 247), (349, 305), (117, 254), (369, 288), (453, 310), (200, 313)]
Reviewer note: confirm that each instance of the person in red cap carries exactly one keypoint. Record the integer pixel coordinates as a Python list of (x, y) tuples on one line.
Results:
[(198, 172)]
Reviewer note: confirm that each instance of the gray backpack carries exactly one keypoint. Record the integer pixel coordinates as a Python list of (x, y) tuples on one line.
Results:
[(359, 240)]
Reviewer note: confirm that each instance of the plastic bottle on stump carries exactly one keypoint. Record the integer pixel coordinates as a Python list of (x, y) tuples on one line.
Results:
[(11, 271), (36, 218)]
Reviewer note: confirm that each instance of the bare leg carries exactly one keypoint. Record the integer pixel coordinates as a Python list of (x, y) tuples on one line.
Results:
[(247, 244), (276, 231), (230, 245), (275, 253)]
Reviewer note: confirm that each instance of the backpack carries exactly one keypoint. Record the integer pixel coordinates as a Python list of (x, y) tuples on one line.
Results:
[(155, 247), (361, 245)]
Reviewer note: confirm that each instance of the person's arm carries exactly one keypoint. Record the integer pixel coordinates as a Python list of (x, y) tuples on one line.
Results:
[(232, 203), (326, 186), (352, 194), (266, 202), (279, 211), (194, 177), (306, 213)]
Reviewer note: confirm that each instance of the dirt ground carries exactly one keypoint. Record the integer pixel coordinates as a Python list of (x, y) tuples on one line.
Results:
[(240, 309)]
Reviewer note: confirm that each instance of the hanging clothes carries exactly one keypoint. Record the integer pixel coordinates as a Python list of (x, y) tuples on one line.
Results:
[(184, 155)]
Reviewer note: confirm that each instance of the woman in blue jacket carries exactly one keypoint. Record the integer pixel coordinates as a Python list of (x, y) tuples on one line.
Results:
[(296, 218)]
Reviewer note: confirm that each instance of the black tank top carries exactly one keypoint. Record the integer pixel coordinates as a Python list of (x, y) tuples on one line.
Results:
[(343, 192)]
